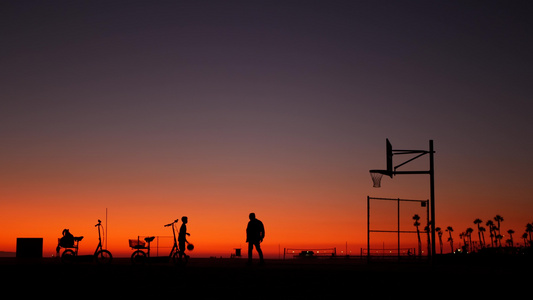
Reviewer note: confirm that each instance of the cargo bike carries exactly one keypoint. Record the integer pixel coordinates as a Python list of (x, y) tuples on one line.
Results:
[(141, 255), (71, 245)]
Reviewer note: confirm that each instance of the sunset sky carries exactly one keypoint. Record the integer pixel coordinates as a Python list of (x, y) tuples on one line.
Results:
[(215, 109)]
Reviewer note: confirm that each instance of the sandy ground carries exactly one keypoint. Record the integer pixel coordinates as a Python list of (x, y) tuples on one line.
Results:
[(284, 279)]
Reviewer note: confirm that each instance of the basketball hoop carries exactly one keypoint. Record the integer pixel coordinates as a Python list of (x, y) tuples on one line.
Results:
[(377, 175)]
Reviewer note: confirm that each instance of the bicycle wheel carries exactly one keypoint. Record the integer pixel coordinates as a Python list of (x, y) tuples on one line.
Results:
[(138, 257), (103, 257), (67, 256)]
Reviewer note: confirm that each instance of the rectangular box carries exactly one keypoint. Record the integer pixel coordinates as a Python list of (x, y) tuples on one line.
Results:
[(29, 247)]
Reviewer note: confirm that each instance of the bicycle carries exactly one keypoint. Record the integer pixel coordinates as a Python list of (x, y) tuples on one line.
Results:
[(139, 256), (175, 253), (101, 256)]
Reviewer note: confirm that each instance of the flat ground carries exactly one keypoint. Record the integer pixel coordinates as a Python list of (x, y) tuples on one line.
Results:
[(296, 278)]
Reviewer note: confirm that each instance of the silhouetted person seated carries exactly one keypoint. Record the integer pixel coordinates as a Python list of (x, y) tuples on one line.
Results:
[(67, 241), (255, 233)]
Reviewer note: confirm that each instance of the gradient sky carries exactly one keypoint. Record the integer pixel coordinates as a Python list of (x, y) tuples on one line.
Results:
[(214, 109)]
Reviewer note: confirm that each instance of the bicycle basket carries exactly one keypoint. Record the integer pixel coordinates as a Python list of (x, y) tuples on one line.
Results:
[(136, 243)]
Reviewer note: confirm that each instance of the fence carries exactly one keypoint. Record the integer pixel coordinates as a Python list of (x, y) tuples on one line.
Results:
[(424, 205), (163, 243), (309, 252), (394, 252)]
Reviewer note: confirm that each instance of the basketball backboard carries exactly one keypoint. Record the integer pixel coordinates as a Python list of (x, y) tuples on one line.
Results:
[(377, 174), (389, 158)]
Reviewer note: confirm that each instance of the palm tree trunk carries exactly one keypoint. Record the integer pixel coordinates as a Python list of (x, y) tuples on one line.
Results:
[(419, 242), (451, 241)]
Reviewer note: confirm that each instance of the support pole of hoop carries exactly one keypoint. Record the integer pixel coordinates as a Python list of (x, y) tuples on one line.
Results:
[(432, 197)]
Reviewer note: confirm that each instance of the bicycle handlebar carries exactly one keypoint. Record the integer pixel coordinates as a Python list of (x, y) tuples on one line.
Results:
[(99, 223), (170, 224)]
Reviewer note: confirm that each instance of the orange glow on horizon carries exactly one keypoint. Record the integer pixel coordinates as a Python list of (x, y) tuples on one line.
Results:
[(217, 227), (306, 201)]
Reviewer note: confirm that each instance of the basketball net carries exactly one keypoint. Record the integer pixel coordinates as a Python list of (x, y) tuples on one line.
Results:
[(376, 177)]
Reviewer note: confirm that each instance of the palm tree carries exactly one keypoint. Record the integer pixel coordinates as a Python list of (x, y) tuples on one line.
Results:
[(491, 229), (498, 238), (510, 232), (439, 232), (462, 236), (524, 237), (450, 239), (477, 222), (427, 230), (529, 230), (499, 219), (416, 218), (469, 236), (482, 229)]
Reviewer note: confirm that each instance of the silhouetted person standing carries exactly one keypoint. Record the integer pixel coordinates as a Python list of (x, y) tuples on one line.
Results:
[(255, 233), (182, 239)]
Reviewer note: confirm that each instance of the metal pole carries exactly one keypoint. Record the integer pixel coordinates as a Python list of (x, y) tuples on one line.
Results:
[(432, 195), (428, 226), (106, 228), (368, 227), (398, 228)]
